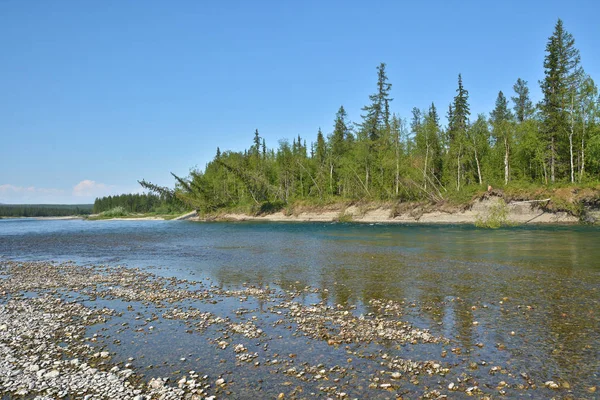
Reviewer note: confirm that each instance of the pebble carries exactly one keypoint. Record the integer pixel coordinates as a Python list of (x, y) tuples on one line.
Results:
[(551, 385), (99, 377)]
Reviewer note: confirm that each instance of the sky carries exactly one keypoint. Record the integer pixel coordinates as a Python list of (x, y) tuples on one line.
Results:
[(95, 96)]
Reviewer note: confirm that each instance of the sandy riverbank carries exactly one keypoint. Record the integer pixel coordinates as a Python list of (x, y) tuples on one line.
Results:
[(522, 212)]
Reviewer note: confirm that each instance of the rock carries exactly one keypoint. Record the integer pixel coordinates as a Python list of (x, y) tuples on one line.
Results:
[(52, 374), (156, 383), (551, 385), (220, 382), (396, 375), (104, 354)]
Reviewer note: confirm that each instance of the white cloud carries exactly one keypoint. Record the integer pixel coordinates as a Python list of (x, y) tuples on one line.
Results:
[(85, 191), (30, 194), (89, 188)]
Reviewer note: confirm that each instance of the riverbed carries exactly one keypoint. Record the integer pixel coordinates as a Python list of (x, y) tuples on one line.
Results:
[(302, 310)]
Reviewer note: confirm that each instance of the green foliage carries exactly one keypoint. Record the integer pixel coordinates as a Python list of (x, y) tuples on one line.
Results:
[(139, 203), (496, 216), (523, 106), (114, 212)]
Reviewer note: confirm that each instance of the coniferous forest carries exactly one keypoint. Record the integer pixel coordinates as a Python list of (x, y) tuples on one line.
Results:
[(388, 157), (44, 210), (137, 203)]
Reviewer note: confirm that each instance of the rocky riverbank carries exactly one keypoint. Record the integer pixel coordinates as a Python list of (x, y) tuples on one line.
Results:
[(70, 331)]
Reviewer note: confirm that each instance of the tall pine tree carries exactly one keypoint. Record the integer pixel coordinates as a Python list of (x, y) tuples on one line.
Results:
[(562, 72)]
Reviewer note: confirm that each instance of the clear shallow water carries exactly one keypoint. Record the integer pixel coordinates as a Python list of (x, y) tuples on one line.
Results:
[(542, 283)]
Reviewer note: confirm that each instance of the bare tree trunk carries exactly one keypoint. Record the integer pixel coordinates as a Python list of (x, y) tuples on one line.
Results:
[(552, 160), (478, 168), (458, 170), (582, 169), (331, 178), (425, 167), (571, 154), (477, 162), (571, 132), (397, 173), (506, 170)]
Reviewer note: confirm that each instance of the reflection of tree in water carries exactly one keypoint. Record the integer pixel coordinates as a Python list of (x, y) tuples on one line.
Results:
[(228, 276)]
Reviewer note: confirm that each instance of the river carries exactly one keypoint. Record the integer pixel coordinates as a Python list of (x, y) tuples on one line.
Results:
[(525, 299)]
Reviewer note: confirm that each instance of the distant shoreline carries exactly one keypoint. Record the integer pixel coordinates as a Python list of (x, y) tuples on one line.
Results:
[(68, 217)]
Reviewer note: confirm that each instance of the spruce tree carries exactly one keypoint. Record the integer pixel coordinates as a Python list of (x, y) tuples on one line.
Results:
[(523, 106), (432, 129), (321, 148), (458, 123), (562, 73), (377, 115), (340, 133), (256, 147), (461, 109)]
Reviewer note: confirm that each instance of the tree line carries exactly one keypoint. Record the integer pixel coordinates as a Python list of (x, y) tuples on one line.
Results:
[(44, 210), (384, 157), (138, 203)]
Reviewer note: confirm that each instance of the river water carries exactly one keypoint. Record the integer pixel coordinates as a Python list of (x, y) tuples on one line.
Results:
[(525, 298)]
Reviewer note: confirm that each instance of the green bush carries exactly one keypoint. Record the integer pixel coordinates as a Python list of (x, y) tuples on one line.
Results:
[(114, 212), (496, 217), (343, 217)]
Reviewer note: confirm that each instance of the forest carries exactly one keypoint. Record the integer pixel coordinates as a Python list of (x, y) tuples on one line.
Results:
[(44, 210), (386, 157), (138, 203)]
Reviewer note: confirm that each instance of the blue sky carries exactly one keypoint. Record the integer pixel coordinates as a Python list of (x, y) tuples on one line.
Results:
[(96, 95)]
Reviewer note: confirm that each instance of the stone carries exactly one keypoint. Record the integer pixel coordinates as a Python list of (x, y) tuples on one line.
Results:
[(551, 385), (52, 374), (156, 383)]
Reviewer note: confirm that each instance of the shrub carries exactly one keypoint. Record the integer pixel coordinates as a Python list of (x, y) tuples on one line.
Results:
[(114, 212), (496, 217)]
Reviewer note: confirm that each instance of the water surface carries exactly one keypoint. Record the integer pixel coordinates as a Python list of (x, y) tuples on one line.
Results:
[(525, 298)]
